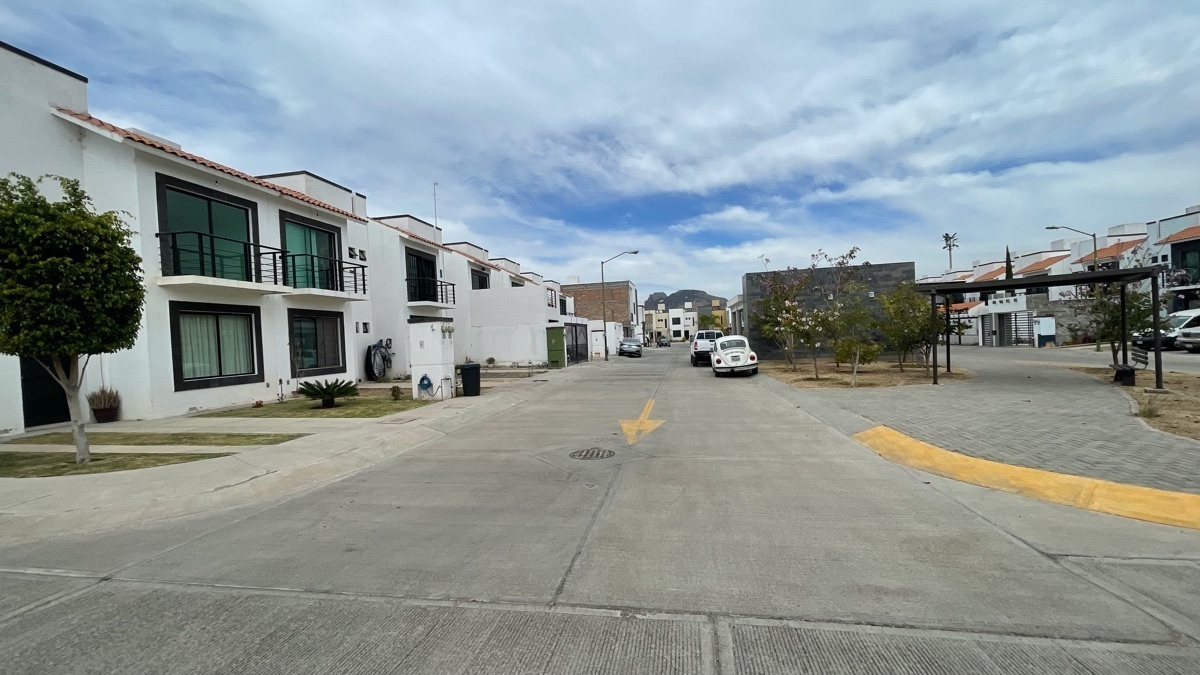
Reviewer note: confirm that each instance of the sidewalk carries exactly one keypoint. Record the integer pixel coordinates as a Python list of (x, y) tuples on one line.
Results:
[(1032, 415), (39, 507)]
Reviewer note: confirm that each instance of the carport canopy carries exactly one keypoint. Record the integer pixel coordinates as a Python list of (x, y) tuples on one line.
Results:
[(1123, 277)]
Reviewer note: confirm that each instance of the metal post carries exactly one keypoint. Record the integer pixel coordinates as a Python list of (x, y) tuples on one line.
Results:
[(1095, 268), (1124, 329), (933, 321), (947, 333), (1158, 375), (604, 310)]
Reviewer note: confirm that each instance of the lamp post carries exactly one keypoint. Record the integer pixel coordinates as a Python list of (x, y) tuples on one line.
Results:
[(1095, 252), (604, 298)]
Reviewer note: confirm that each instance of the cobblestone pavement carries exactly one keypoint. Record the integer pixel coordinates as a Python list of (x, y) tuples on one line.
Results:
[(1036, 415)]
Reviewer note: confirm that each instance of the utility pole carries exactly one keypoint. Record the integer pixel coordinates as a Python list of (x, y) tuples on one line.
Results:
[(951, 243)]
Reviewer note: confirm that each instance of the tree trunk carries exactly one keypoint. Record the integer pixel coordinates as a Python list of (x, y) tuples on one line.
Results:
[(854, 370), (816, 374), (69, 375), (1115, 351), (900, 359)]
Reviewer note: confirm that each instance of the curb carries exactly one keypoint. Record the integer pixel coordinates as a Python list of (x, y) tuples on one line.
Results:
[(1165, 507)]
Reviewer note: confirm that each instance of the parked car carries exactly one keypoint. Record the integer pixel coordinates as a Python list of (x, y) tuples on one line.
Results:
[(664, 341), (732, 354), (702, 345), (630, 347), (1172, 332)]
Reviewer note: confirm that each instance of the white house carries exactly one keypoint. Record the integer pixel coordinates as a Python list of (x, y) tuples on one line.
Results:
[(682, 322), (255, 282)]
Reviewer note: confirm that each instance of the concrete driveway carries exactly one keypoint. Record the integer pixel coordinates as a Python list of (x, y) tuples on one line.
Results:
[(742, 535)]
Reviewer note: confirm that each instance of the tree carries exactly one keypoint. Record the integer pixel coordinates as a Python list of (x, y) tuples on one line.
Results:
[(1097, 308), (70, 285), (907, 323), (1097, 312), (1008, 266), (842, 291), (710, 322), (779, 311)]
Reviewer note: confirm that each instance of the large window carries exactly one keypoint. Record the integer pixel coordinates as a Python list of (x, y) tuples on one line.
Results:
[(318, 342), (206, 232), (551, 297), (674, 321), (215, 345), (313, 252)]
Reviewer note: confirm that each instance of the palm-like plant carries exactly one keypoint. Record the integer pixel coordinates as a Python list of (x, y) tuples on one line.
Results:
[(327, 391)]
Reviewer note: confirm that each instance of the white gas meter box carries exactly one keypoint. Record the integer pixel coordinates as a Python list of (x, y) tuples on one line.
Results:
[(431, 354)]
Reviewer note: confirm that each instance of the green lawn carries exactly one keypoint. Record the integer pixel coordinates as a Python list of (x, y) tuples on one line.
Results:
[(119, 438), (363, 406), (34, 464)]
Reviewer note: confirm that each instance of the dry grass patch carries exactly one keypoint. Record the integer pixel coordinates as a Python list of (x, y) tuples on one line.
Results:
[(39, 464), (122, 438), (1177, 412), (367, 405), (878, 374)]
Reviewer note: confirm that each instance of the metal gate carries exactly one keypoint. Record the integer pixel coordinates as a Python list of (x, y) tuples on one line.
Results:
[(43, 401), (987, 322), (1007, 329), (1022, 323), (577, 343)]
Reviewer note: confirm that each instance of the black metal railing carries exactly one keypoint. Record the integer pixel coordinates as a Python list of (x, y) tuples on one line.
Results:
[(208, 255), (422, 289), (306, 270)]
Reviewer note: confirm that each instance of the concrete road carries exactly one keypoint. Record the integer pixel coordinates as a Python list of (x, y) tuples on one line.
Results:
[(738, 534)]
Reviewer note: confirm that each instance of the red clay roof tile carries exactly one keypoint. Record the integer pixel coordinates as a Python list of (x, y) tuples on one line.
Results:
[(1192, 232), (1111, 251), (1042, 264), (138, 138)]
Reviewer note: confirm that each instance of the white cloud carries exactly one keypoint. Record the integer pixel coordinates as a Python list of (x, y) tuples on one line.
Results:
[(879, 124)]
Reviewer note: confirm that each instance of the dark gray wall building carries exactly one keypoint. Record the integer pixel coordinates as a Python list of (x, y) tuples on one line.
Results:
[(878, 279)]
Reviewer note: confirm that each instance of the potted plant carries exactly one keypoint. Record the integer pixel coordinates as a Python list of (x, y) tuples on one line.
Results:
[(328, 391), (105, 404)]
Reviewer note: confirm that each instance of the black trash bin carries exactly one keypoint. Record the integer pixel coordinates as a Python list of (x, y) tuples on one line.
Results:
[(470, 378)]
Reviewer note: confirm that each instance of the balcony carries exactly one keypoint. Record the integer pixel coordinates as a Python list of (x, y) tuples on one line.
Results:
[(315, 275), (430, 293), (1182, 277), (205, 260)]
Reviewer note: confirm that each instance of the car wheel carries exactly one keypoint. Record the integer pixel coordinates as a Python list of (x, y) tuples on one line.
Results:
[(694, 364), (754, 370), (1190, 349)]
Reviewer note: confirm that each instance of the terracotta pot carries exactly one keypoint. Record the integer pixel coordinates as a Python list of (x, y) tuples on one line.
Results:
[(104, 415)]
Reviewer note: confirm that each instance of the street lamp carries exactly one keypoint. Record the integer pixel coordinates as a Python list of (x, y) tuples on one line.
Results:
[(1095, 252), (604, 299)]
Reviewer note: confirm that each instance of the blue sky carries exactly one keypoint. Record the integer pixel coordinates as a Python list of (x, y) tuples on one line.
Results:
[(706, 134)]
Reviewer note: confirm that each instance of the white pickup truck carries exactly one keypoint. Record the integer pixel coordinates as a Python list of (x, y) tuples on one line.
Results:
[(702, 345)]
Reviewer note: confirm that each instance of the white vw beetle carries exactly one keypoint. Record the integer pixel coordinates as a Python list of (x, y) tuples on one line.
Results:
[(732, 354)]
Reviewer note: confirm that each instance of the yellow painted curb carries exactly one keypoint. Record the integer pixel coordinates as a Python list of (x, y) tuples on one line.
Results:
[(1132, 501)]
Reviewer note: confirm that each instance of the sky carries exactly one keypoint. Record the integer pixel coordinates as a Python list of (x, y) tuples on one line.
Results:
[(716, 138)]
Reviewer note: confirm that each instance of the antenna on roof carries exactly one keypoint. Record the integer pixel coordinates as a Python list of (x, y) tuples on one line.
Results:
[(435, 223)]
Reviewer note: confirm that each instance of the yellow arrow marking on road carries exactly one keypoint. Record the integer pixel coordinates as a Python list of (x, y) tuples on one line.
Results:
[(636, 430)]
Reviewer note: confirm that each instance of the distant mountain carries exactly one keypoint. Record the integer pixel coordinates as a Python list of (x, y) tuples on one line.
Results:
[(700, 300)]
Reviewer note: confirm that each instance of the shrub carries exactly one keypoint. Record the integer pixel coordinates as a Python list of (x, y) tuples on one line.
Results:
[(104, 398), (1148, 408), (491, 361), (328, 391), (868, 351), (397, 392)]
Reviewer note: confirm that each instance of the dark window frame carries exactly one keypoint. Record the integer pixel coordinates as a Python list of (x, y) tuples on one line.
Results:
[(163, 182), (177, 307), (285, 216), (294, 313), (484, 279)]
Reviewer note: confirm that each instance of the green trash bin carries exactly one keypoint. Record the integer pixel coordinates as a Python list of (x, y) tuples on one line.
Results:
[(470, 378)]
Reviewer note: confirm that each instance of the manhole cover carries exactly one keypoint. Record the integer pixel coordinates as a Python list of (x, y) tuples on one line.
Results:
[(592, 453)]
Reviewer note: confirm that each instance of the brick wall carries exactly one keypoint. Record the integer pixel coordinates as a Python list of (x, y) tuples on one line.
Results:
[(588, 301)]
